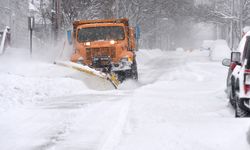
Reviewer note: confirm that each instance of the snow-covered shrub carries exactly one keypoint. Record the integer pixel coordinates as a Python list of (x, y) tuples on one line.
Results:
[(219, 50)]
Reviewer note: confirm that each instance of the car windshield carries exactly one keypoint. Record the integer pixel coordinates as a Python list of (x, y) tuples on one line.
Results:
[(101, 33)]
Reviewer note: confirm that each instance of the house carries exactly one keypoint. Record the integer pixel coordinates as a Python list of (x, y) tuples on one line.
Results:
[(14, 13)]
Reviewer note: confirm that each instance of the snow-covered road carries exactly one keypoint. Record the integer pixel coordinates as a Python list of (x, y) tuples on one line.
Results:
[(179, 103)]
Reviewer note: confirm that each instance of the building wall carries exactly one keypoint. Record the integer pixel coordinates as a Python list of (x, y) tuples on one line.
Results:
[(14, 13)]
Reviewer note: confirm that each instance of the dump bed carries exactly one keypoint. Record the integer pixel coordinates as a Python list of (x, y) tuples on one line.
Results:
[(83, 22)]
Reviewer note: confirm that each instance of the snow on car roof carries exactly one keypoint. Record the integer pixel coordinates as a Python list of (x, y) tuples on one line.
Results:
[(242, 42)]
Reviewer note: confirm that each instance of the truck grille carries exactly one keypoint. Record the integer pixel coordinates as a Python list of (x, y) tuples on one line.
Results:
[(97, 52)]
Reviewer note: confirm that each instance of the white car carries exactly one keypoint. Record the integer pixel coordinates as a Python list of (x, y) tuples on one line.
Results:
[(240, 77)]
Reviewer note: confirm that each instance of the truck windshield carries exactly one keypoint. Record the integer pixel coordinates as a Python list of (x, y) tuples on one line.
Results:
[(101, 33)]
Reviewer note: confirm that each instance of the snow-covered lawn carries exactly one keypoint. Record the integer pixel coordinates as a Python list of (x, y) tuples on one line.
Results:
[(179, 103)]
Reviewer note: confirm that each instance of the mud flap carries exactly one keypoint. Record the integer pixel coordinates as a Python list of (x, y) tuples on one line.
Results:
[(112, 78)]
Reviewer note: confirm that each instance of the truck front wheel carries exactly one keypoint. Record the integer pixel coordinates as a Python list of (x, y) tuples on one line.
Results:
[(128, 74)]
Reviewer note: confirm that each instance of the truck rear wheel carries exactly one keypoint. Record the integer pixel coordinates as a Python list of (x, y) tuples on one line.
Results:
[(134, 72)]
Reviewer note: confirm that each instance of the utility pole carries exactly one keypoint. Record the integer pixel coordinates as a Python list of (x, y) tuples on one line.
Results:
[(53, 20), (31, 24), (232, 24), (56, 18), (218, 26)]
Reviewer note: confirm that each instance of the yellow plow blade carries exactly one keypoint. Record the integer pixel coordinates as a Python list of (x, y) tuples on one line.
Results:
[(112, 78)]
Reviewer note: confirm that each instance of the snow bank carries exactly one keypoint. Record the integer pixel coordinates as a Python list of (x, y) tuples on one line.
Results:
[(207, 45), (180, 49), (16, 89), (24, 79), (220, 50)]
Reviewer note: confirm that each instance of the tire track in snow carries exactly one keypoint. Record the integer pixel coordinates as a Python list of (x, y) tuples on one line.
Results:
[(56, 138), (89, 110), (64, 130), (114, 138)]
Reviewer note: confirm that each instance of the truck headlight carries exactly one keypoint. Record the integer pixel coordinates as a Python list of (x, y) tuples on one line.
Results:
[(87, 44), (112, 42), (130, 59)]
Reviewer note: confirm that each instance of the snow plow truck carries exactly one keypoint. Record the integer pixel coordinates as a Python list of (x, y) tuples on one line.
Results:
[(107, 47)]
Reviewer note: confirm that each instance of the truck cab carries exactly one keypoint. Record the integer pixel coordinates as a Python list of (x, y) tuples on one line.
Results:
[(106, 45)]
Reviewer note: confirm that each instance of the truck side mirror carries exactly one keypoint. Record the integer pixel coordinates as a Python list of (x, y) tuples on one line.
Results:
[(132, 44), (138, 32), (235, 57), (69, 36)]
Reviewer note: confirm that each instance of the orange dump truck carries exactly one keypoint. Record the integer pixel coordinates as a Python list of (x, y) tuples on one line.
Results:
[(106, 45)]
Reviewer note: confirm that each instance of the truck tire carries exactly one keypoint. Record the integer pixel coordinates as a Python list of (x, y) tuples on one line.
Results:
[(232, 100), (239, 111), (134, 72), (128, 74)]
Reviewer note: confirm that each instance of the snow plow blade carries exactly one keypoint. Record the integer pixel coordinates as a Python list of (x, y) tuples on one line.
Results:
[(112, 78)]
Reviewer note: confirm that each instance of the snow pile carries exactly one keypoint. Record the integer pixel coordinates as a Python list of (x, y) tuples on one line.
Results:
[(25, 80), (220, 50), (207, 45), (16, 89), (180, 49)]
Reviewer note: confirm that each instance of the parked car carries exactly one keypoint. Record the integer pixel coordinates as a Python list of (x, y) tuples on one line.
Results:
[(238, 82)]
